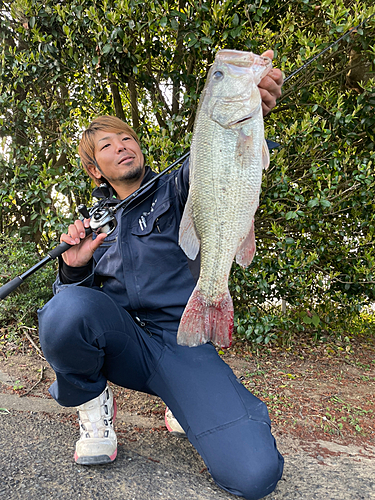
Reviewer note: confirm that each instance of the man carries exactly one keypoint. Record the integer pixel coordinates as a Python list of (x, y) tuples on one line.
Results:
[(115, 314)]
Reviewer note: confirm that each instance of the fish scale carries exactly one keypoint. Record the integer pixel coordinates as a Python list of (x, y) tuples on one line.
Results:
[(226, 162)]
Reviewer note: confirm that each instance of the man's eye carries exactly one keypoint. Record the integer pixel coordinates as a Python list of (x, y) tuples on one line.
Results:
[(105, 146)]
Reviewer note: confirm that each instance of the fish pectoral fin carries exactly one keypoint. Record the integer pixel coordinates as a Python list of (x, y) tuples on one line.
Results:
[(246, 250), (188, 238), (265, 155)]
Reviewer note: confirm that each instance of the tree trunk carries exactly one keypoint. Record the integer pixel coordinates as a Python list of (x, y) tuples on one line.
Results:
[(119, 110), (134, 103)]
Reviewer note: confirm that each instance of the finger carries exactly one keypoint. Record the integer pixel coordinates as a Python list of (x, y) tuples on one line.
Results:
[(272, 82), (73, 233), (98, 241), (65, 238), (268, 101), (277, 76), (268, 53), (80, 229), (267, 97)]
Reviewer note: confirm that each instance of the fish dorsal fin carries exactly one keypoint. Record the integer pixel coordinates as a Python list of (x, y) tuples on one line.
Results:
[(188, 238), (246, 250), (265, 155)]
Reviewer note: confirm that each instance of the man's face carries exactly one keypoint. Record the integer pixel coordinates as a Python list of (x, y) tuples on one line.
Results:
[(119, 158)]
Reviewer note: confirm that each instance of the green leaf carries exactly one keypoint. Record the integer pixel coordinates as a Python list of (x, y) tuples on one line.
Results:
[(325, 203), (313, 203), (306, 319), (107, 48), (192, 40), (315, 320), (174, 24)]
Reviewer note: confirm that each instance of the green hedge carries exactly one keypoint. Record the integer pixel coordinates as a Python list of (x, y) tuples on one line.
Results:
[(20, 307)]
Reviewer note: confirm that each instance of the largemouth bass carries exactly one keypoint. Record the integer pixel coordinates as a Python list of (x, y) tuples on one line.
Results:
[(227, 155)]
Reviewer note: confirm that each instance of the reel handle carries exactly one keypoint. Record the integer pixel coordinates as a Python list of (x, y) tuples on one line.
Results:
[(82, 209)]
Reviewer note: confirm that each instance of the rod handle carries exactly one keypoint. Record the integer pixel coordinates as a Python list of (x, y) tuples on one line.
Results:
[(63, 247), (6, 289)]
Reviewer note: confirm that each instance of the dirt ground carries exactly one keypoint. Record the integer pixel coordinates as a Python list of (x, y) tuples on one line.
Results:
[(323, 392)]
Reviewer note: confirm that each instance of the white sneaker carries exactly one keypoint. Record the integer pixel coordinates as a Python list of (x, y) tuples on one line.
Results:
[(172, 424), (98, 442)]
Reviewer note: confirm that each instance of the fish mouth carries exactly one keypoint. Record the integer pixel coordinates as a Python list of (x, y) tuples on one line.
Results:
[(243, 120), (246, 118)]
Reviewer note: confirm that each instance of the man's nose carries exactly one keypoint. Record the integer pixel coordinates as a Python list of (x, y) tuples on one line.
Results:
[(120, 145)]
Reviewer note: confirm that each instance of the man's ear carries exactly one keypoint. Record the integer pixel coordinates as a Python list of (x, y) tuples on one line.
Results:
[(94, 171)]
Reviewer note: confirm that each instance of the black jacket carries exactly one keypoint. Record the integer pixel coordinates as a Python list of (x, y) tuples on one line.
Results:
[(140, 265)]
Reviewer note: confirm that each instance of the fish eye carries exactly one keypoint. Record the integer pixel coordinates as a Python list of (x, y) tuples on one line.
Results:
[(218, 76)]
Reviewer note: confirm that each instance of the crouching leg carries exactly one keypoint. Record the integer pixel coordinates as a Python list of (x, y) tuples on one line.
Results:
[(242, 458)]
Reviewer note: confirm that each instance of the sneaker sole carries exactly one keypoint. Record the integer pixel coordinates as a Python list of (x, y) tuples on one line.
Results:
[(97, 460)]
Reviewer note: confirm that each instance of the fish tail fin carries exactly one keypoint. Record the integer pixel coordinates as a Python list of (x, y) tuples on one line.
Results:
[(203, 322)]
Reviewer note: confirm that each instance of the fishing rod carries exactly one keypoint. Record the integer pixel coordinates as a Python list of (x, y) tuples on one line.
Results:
[(102, 218), (307, 63)]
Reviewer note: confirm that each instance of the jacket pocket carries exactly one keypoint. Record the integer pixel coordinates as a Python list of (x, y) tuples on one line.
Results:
[(157, 220)]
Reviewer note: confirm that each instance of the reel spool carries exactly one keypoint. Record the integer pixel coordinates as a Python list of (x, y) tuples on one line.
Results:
[(103, 221)]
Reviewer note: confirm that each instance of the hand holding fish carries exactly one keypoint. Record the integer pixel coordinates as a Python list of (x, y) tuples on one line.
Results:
[(270, 86)]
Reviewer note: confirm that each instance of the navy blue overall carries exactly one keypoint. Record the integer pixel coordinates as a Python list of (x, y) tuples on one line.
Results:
[(117, 319)]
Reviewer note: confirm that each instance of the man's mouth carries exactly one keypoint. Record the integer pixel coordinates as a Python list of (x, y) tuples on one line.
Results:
[(125, 159)]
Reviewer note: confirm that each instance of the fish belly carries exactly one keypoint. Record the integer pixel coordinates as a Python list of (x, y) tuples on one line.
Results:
[(226, 173)]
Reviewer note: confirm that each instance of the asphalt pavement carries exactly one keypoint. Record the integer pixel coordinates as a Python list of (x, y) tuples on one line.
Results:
[(37, 442)]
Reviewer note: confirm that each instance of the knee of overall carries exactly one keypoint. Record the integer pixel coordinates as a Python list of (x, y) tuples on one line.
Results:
[(251, 468), (61, 320)]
